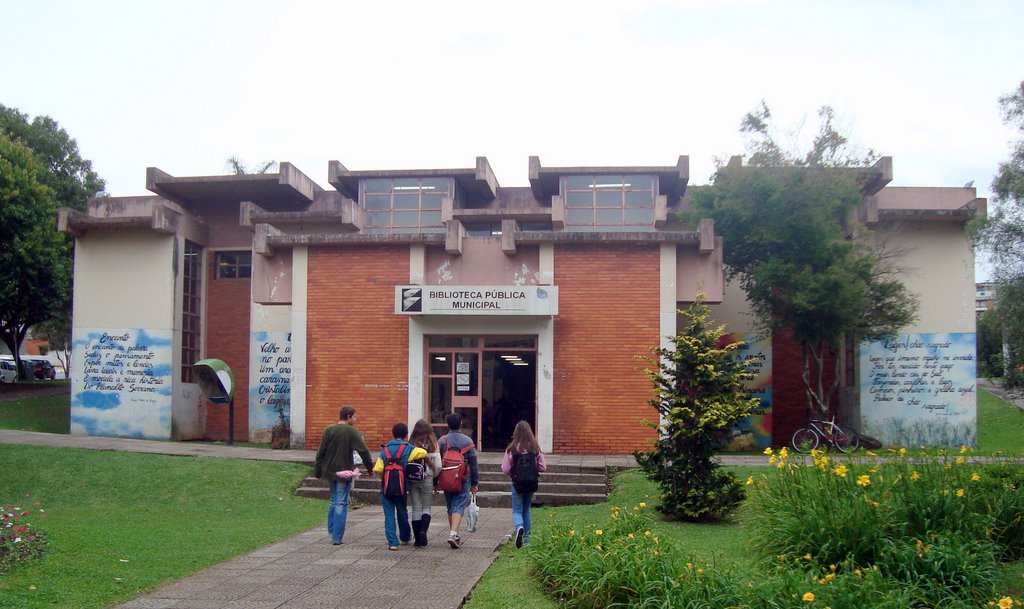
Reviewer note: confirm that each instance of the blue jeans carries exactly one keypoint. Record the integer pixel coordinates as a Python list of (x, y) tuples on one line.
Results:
[(337, 511), (521, 512), (395, 506)]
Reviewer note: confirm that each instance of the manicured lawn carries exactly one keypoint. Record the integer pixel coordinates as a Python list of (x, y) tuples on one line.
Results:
[(123, 523), (1000, 426), (44, 414)]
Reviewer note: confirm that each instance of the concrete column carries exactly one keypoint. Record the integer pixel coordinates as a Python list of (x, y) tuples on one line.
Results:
[(300, 268)]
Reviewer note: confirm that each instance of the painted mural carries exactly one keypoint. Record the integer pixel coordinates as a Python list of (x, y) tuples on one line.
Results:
[(920, 390), (270, 372), (121, 383), (756, 431)]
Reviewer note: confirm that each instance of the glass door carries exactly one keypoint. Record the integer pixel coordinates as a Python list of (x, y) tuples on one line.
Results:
[(455, 387)]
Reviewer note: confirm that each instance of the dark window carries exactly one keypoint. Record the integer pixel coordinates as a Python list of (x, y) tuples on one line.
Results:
[(191, 316), (609, 202), (404, 205), (234, 265)]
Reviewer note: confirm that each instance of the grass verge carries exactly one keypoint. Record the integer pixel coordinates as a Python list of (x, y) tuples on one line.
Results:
[(119, 524), (49, 414)]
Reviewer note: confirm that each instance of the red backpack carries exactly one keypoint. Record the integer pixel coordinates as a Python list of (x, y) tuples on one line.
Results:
[(453, 469), (392, 484)]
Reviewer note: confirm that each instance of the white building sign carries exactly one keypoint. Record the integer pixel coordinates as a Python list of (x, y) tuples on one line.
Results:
[(476, 300)]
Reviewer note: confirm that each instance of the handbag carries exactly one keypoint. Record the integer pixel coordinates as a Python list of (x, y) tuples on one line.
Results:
[(472, 514)]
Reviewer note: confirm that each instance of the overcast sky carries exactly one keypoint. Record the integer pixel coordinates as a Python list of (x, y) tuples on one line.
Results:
[(400, 85)]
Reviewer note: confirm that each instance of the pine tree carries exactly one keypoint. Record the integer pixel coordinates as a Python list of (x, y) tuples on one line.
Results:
[(699, 392)]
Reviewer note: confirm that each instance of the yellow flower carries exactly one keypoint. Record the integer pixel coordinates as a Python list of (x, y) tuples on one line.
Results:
[(598, 532), (964, 450), (768, 450), (841, 471), (700, 571), (903, 452), (863, 480), (598, 547), (914, 475), (961, 460), (689, 565), (959, 492), (828, 578), (642, 504), (750, 480), (773, 459), (809, 597), (572, 533), (1005, 603), (975, 476), (630, 536), (807, 556), (647, 533), (784, 452), (871, 454)]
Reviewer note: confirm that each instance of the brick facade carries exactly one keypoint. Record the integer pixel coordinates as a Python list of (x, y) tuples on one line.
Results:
[(227, 338), (608, 314), (357, 350), (789, 400)]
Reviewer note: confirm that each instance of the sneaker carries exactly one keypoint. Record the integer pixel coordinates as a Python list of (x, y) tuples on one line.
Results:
[(393, 548), (336, 543), (519, 537), (454, 541)]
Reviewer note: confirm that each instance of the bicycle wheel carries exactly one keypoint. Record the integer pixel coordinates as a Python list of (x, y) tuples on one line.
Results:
[(805, 440), (845, 440)]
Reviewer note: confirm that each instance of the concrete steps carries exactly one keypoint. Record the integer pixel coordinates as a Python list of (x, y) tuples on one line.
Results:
[(559, 485)]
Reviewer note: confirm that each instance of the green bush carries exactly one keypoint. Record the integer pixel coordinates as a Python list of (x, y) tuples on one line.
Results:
[(937, 523)]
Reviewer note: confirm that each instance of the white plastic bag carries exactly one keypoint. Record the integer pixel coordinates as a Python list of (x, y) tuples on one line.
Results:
[(472, 514)]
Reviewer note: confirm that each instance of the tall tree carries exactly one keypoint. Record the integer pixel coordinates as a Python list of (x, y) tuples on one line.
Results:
[(71, 181), (34, 268), (1003, 236), (792, 246), (70, 177)]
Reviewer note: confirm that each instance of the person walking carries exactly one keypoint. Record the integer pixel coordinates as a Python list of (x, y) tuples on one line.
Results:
[(337, 445), (456, 502), (422, 490), (395, 507), (523, 461)]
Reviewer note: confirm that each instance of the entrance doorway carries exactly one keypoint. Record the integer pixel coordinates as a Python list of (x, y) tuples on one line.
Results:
[(490, 380)]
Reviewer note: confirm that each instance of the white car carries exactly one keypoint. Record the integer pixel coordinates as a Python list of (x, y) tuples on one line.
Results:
[(8, 372)]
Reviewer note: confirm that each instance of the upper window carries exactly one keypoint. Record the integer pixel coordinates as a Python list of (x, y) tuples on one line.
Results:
[(404, 205), (609, 202), (234, 265)]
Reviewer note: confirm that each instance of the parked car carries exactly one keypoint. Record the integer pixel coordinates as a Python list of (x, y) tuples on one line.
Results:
[(38, 368), (8, 372)]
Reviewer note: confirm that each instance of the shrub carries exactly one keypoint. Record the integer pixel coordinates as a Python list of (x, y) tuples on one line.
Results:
[(937, 524), (20, 540), (699, 391)]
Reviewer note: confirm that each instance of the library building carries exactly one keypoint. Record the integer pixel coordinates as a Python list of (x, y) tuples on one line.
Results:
[(411, 294)]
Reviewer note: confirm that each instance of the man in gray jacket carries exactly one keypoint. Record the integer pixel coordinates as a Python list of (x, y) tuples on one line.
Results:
[(457, 502)]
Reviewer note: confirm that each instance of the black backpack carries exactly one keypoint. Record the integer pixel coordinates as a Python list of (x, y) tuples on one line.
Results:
[(524, 472), (392, 483), (416, 470)]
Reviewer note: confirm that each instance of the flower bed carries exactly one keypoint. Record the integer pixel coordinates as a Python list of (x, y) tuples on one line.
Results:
[(20, 540)]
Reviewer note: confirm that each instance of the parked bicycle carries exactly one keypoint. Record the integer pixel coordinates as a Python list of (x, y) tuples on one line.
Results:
[(829, 432)]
